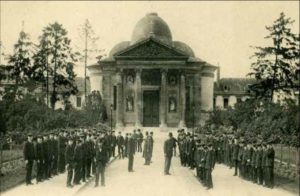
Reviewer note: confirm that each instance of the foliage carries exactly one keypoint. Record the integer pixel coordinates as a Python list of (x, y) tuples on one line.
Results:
[(275, 66), (55, 59), (271, 121)]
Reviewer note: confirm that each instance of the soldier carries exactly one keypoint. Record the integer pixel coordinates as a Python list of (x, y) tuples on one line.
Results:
[(78, 156), (151, 145), (253, 164), (28, 152), (209, 166), (135, 137), (248, 155), (89, 152), (147, 149), (235, 155), (39, 159), (69, 155), (240, 159), (61, 151), (46, 158), (126, 144), (100, 160), (55, 154), (258, 165), (168, 151), (130, 151), (120, 144), (269, 166), (113, 142), (140, 138), (84, 158)]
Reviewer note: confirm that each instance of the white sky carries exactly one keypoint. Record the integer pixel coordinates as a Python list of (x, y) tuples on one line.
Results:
[(218, 32)]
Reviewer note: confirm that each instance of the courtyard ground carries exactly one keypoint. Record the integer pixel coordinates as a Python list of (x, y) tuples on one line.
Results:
[(150, 181)]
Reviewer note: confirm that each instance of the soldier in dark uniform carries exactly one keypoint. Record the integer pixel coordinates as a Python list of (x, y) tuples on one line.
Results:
[(69, 155), (253, 163), (89, 152), (46, 158), (209, 166), (84, 151), (152, 145), (258, 165), (113, 144), (269, 166), (135, 139), (147, 149), (100, 160), (168, 151), (29, 157), (126, 145), (78, 156), (120, 144), (61, 151), (51, 153), (39, 154), (140, 139), (235, 155), (248, 155), (130, 151), (55, 155), (240, 159)]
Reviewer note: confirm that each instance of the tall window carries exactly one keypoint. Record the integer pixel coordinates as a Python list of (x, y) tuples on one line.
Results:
[(78, 102), (115, 97)]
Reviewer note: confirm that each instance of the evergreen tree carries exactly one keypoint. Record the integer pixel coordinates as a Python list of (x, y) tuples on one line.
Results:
[(276, 65), (54, 63), (21, 59)]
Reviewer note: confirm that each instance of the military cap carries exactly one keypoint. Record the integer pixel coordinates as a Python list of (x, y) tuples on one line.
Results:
[(29, 135)]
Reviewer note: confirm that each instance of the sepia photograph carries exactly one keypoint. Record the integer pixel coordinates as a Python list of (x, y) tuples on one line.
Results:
[(149, 98)]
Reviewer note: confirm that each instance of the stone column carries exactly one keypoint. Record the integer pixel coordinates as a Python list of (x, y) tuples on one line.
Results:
[(207, 92), (138, 98), (182, 101), (163, 96), (119, 109)]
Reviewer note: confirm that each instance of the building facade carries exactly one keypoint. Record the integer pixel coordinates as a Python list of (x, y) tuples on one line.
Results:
[(153, 81)]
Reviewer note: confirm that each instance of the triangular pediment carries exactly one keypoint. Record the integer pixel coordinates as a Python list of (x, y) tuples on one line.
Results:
[(150, 49)]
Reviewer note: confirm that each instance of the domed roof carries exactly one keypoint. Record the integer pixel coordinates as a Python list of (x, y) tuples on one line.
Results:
[(152, 26), (183, 47), (118, 47)]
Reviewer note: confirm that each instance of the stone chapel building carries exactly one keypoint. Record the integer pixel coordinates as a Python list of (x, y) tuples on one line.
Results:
[(153, 81)]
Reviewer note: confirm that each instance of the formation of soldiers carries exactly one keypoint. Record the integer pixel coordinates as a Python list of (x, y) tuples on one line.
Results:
[(82, 153), (252, 160)]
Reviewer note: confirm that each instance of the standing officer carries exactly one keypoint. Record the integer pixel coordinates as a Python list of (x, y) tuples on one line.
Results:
[(258, 165), (209, 159), (147, 149), (269, 166), (39, 159), (131, 151), (100, 160), (126, 144), (46, 158), (78, 161), (55, 154), (89, 153), (151, 145), (168, 151), (28, 152), (120, 144), (113, 143), (62, 140), (140, 138), (69, 155), (235, 155)]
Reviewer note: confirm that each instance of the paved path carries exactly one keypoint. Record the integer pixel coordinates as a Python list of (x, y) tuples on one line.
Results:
[(150, 181)]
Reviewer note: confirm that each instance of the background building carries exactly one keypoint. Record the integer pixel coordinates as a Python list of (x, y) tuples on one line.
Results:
[(154, 81)]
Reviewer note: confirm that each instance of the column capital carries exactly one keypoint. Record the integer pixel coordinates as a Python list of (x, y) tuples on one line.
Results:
[(163, 71), (138, 71)]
